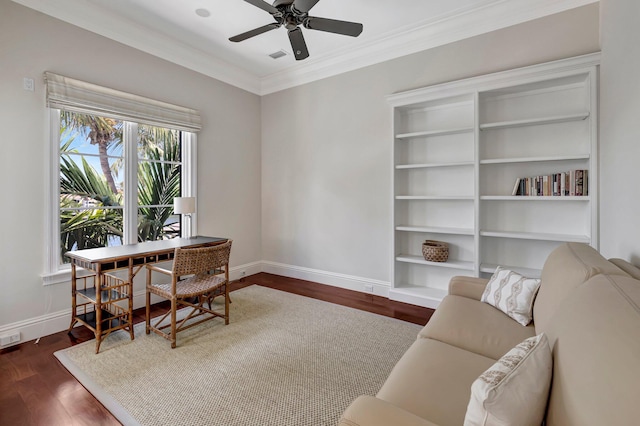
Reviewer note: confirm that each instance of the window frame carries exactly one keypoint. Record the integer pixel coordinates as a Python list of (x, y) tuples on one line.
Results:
[(55, 272)]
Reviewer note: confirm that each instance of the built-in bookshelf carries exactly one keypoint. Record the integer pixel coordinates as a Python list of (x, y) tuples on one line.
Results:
[(463, 154)]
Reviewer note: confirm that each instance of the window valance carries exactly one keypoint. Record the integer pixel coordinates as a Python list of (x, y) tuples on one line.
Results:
[(78, 96)]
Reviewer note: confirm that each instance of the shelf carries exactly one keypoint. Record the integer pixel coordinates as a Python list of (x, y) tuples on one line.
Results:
[(90, 294), (428, 133), (533, 198), (436, 197), (454, 264), (422, 296), (537, 236), (535, 121), (535, 159), (433, 165), (109, 321), (490, 268), (435, 230)]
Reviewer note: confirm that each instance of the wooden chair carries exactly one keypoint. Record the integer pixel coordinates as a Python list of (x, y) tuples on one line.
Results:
[(195, 280)]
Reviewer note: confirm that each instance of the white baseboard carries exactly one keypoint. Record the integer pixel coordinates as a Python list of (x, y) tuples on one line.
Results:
[(54, 322), (350, 282)]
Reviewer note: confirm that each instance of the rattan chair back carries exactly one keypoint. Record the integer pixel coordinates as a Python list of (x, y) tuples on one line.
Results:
[(188, 261)]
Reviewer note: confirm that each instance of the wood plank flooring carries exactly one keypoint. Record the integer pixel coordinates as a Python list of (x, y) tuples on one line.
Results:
[(35, 389)]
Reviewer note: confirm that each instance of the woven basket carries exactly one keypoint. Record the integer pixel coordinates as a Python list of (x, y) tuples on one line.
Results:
[(435, 251)]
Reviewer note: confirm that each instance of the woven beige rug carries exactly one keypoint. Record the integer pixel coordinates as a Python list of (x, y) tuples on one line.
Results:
[(284, 359)]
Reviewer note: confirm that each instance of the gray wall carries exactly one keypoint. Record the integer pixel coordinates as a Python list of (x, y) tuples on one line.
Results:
[(228, 146), (619, 130), (326, 150)]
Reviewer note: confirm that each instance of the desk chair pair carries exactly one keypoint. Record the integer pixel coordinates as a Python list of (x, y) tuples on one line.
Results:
[(196, 279)]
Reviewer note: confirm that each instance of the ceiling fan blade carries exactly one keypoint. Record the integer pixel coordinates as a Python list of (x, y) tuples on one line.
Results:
[(352, 29), (303, 6), (264, 6), (297, 43), (254, 32)]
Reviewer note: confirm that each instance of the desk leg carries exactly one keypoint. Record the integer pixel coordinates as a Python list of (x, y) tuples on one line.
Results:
[(73, 297), (130, 315), (99, 283)]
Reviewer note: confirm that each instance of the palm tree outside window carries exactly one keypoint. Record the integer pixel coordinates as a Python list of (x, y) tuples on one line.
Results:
[(96, 192)]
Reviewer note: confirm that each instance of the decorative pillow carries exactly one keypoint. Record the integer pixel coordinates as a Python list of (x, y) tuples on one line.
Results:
[(512, 293), (514, 391)]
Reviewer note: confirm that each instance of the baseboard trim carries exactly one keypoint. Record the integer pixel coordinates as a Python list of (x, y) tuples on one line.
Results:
[(54, 322), (349, 282)]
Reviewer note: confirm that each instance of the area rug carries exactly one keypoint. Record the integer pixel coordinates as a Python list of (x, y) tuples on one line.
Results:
[(284, 359)]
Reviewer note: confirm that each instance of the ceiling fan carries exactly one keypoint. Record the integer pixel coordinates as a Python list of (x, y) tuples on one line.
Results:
[(291, 14)]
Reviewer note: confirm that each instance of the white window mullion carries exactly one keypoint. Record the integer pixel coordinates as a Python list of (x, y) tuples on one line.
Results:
[(189, 177), (130, 150)]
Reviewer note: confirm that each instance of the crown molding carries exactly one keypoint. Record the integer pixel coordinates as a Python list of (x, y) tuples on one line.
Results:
[(465, 24), (114, 27), (462, 24)]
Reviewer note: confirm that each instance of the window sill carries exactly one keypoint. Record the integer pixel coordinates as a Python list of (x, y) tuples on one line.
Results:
[(62, 276)]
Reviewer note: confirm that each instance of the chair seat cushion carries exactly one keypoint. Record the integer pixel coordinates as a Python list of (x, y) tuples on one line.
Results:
[(189, 287)]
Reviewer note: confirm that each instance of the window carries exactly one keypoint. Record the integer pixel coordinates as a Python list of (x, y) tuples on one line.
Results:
[(114, 174)]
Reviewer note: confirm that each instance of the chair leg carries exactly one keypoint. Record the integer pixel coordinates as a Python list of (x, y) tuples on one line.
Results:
[(226, 304), (148, 313), (173, 321)]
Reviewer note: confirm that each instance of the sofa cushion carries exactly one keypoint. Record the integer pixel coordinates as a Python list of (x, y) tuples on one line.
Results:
[(433, 380), (595, 340), (568, 266), (512, 293), (515, 389), (475, 326), (370, 411)]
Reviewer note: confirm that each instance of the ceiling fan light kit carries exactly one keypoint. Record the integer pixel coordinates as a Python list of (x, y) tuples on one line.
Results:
[(293, 13)]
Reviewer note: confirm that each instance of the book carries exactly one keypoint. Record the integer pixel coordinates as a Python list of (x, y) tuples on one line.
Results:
[(516, 187)]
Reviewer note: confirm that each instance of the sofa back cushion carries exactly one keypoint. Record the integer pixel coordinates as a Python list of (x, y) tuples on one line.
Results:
[(568, 266), (596, 355)]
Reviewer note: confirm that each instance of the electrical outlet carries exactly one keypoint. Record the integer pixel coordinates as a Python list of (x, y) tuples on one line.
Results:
[(243, 273), (368, 288), (8, 339)]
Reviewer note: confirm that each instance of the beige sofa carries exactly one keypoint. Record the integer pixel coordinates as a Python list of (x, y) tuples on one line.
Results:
[(589, 309)]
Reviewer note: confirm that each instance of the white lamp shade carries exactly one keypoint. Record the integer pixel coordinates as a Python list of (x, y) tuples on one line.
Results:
[(184, 205)]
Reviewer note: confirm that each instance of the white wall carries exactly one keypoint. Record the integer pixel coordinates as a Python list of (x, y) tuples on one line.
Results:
[(326, 148), (228, 149), (619, 130)]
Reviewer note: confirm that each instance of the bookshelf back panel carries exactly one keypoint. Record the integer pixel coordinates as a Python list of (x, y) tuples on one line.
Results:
[(461, 247), (446, 214), (439, 117), (559, 139), (407, 274), (536, 216), (518, 253), (435, 149), (447, 181), (531, 101)]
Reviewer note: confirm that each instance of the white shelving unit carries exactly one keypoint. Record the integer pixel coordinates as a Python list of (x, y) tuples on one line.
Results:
[(458, 149)]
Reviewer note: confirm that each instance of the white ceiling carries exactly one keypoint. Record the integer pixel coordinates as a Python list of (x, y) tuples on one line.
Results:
[(172, 30)]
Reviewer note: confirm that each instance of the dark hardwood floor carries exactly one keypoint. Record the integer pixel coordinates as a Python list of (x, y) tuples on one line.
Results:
[(35, 389)]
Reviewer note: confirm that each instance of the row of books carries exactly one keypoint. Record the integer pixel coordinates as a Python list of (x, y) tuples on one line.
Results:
[(571, 183)]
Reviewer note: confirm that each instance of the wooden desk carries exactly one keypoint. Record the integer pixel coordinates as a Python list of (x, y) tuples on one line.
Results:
[(111, 308)]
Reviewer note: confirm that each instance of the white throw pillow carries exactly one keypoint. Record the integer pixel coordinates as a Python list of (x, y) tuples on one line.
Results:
[(512, 293), (514, 391)]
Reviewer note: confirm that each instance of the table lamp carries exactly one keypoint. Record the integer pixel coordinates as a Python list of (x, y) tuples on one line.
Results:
[(185, 206)]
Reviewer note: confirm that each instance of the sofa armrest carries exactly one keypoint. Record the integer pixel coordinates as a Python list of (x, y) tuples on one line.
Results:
[(371, 411), (470, 287)]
